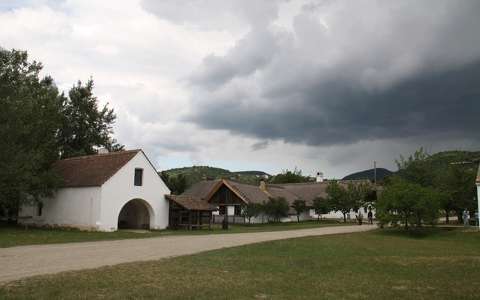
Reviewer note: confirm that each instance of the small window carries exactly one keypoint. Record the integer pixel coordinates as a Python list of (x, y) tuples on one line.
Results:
[(138, 177), (39, 208)]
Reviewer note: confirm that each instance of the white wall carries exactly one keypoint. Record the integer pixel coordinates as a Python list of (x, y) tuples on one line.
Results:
[(339, 215), (119, 189), (70, 207)]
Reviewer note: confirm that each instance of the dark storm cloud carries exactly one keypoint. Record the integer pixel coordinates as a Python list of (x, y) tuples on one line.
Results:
[(433, 104), (391, 71), (260, 145)]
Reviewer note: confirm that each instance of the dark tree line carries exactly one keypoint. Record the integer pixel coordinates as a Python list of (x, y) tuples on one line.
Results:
[(39, 125)]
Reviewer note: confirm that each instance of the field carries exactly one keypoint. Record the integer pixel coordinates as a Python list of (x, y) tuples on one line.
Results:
[(16, 236), (373, 265)]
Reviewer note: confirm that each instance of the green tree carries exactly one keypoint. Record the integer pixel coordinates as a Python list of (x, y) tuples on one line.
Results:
[(407, 203), (85, 126), (458, 190), (299, 206), (251, 210), (287, 176), (321, 206), (416, 168), (339, 199), (451, 172), (176, 184), (30, 116), (277, 208)]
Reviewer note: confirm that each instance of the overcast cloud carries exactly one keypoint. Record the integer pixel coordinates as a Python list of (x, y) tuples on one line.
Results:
[(268, 85)]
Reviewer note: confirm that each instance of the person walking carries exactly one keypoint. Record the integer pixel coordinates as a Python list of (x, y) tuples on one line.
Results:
[(370, 216)]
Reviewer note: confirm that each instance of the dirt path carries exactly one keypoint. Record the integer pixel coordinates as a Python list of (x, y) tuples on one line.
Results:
[(24, 261)]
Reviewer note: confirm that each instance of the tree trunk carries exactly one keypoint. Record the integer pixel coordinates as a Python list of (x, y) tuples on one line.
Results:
[(344, 217), (298, 218), (447, 221)]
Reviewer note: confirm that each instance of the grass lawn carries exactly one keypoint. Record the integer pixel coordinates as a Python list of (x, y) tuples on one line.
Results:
[(15, 236), (370, 265)]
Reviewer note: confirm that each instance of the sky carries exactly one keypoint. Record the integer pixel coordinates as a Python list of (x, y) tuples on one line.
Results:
[(272, 85)]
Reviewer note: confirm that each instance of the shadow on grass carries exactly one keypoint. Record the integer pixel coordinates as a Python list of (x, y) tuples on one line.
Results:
[(417, 232)]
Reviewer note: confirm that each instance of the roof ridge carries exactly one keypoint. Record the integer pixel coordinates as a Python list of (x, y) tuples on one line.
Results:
[(101, 154)]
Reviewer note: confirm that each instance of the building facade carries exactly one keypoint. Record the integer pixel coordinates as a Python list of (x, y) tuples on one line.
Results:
[(104, 192)]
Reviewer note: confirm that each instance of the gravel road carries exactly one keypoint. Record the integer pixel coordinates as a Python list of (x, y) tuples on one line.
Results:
[(25, 261)]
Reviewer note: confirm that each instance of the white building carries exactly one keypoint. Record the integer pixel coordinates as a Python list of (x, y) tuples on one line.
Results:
[(104, 192)]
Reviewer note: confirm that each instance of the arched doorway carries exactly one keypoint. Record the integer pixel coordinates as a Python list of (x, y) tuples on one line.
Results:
[(135, 214)]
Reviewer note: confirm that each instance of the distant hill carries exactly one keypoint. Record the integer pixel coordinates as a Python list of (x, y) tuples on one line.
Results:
[(369, 174), (195, 174), (455, 157)]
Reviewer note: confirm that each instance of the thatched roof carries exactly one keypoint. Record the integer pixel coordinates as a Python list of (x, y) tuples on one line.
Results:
[(191, 203)]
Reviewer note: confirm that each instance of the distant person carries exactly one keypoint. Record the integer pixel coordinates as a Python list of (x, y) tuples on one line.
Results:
[(476, 218), (466, 217), (359, 217), (370, 216)]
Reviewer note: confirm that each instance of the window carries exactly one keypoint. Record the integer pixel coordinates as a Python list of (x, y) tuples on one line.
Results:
[(138, 177), (39, 208)]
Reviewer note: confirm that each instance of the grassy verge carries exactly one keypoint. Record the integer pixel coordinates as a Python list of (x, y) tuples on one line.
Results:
[(372, 265), (16, 236)]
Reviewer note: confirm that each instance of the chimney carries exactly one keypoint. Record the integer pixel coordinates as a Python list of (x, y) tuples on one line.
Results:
[(102, 151), (319, 177)]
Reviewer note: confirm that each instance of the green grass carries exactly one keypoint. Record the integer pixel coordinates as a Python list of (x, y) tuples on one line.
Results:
[(371, 265), (16, 236)]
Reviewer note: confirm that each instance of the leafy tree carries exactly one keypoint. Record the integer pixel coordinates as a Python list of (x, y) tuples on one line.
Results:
[(277, 208), (300, 206), (85, 126), (176, 184), (451, 172), (321, 206), (338, 199), (457, 188), (407, 203), (416, 168), (30, 116), (287, 176), (251, 210)]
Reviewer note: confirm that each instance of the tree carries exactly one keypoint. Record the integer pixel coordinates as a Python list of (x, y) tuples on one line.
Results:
[(86, 127), (300, 206), (277, 208), (416, 168), (251, 210), (451, 172), (30, 116), (457, 188), (287, 176), (321, 206), (176, 184), (338, 199), (407, 203)]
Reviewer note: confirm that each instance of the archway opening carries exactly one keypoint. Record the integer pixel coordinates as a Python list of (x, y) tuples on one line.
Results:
[(134, 215)]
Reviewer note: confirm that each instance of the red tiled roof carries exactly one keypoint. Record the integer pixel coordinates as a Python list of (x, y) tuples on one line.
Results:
[(91, 170), (191, 203)]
